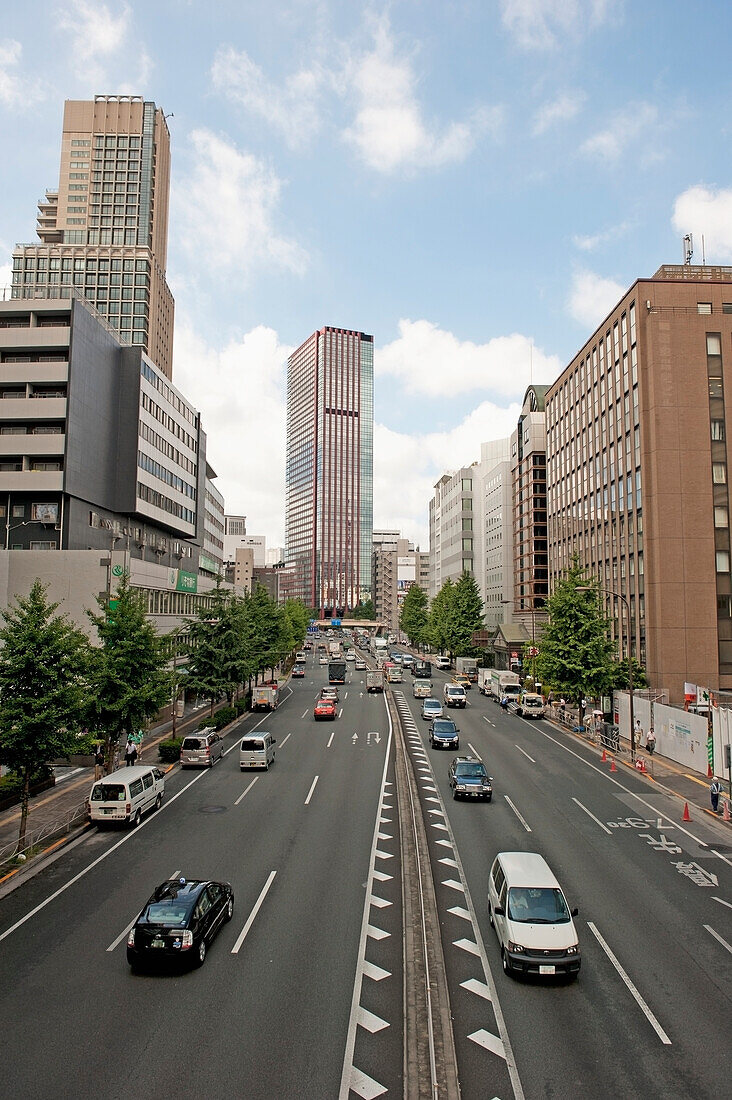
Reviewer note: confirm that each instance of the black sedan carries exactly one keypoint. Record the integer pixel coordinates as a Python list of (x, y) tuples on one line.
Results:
[(444, 734), (468, 778), (179, 922)]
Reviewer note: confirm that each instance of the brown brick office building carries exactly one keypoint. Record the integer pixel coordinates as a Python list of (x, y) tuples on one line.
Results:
[(638, 472)]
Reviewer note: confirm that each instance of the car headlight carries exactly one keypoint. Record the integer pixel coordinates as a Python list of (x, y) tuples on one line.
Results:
[(515, 948), (573, 950)]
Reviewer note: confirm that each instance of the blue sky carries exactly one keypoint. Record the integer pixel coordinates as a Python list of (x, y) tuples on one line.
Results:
[(474, 182)]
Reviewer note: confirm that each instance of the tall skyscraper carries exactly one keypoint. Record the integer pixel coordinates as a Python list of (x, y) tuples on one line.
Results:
[(104, 230), (329, 472)]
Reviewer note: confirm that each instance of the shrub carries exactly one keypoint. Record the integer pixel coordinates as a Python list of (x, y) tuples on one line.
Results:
[(224, 716), (169, 751), (242, 705)]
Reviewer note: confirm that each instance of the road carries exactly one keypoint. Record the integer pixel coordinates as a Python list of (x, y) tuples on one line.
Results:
[(301, 994)]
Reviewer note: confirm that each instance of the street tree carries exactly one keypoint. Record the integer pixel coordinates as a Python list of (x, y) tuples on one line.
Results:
[(575, 650), (43, 688), (299, 617), (468, 615), (364, 609), (129, 677), (439, 628), (414, 615), (214, 662)]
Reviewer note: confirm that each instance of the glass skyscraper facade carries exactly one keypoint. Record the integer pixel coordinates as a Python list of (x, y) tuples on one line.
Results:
[(329, 469)]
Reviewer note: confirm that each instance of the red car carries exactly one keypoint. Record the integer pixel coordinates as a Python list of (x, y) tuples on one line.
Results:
[(325, 708)]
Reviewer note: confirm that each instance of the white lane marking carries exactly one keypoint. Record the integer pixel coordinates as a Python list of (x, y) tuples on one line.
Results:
[(458, 911), (382, 877), (125, 931), (312, 788), (376, 973), (285, 739), (371, 1022), (479, 988), (454, 884), (491, 1042), (474, 751), (636, 995), (448, 861), (611, 779), (250, 920), (518, 814), (526, 754), (375, 933), (365, 1086), (716, 853), (722, 902), (467, 945), (246, 790), (305, 714), (380, 903), (330, 739), (340, 713), (99, 859), (717, 937), (595, 819)]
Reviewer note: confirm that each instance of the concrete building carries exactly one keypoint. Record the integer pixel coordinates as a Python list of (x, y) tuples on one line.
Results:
[(638, 472), (530, 573), (100, 455), (493, 560), (452, 527), (104, 229), (329, 469), (395, 567), (211, 557)]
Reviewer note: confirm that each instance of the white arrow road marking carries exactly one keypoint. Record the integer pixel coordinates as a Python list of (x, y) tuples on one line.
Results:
[(374, 972), (380, 903), (490, 1042), (365, 1086), (375, 933), (454, 884), (382, 877), (458, 911), (479, 988), (448, 862), (467, 945), (369, 1021)]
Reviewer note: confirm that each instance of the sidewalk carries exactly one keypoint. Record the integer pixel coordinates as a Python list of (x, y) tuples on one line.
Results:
[(60, 809)]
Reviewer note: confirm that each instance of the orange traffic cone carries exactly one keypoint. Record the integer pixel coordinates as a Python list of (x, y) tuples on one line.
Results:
[(612, 764), (604, 757), (687, 815), (726, 816)]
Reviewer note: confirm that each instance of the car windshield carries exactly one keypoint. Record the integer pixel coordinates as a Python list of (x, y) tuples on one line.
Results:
[(456, 690), (444, 727), (537, 905), (470, 771), (169, 911), (432, 704), (194, 743), (108, 792)]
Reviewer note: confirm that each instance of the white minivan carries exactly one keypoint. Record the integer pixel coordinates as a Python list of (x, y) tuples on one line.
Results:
[(257, 750), (531, 917), (125, 795)]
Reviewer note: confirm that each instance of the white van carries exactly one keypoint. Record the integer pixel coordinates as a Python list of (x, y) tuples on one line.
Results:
[(530, 915), (126, 795), (257, 750)]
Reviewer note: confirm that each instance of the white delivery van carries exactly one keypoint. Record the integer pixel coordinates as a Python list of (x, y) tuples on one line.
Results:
[(257, 750), (531, 917), (125, 795)]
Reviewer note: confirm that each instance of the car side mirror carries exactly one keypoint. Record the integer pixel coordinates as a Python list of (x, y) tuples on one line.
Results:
[(499, 911), (575, 911)]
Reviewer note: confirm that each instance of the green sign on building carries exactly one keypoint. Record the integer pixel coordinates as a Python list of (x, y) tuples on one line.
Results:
[(187, 582)]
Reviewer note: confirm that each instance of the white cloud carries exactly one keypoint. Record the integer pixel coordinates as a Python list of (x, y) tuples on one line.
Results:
[(96, 34), (708, 213), (431, 362), (240, 392), (545, 24), (15, 89), (562, 109), (591, 297), (224, 210), (589, 242), (635, 122), (291, 106), (389, 132)]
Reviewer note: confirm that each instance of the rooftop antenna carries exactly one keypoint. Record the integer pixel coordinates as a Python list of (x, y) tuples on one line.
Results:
[(704, 252), (688, 248)]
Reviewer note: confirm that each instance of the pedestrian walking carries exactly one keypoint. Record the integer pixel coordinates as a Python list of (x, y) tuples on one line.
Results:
[(715, 789), (98, 763), (650, 741), (130, 753), (637, 733), (136, 739)]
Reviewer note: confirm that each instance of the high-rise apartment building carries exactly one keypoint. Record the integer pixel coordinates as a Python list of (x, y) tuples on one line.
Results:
[(104, 229), (329, 469), (638, 473), (395, 567), (452, 534), (528, 467)]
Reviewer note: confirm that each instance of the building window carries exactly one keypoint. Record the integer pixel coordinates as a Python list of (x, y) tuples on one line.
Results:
[(723, 561), (719, 473), (18, 511), (703, 307), (714, 343), (721, 517), (718, 430)]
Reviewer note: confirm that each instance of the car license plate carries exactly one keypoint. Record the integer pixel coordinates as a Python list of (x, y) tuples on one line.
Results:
[(157, 942), (547, 970)]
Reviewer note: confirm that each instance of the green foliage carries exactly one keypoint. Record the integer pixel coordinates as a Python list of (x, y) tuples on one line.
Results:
[(575, 651), (241, 706), (224, 716), (129, 679), (364, 609), (214, 662), (414, 616), (438, 629), (44, 663), (619, 675), (456, 613), (299, 618), (169, 751)]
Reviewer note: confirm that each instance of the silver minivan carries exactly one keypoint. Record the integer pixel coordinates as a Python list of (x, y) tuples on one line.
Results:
[(201, 749), (125, 795), (257, 750)]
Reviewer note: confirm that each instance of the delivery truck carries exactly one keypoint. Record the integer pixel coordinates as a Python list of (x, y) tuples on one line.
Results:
[(374, 679), (337, 671), (505, 684), (468, 666), (266, 696)]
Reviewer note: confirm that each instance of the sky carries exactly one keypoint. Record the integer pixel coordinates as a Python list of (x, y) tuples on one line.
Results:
[(473, 182)]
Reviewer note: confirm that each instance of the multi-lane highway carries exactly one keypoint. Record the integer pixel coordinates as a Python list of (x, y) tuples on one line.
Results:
[(303, 993)]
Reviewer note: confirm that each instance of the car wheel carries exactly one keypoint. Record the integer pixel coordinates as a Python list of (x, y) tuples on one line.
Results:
[(136, 819), (158, 802), (454, 796), (490, 916), (229, 909), (201, 953), (489, 798), (504, 960)]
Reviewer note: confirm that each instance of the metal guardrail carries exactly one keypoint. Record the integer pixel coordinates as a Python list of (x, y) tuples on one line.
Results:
[(52, 830)]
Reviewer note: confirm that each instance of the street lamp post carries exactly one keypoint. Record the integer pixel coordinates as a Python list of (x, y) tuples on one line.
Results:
[(626, 602)]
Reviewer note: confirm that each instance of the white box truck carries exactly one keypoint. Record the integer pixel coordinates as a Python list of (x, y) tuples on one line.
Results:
[(265, 697), (468, 666), (504, 684), (374, 679)]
